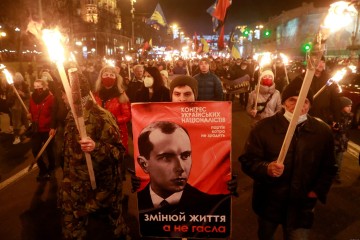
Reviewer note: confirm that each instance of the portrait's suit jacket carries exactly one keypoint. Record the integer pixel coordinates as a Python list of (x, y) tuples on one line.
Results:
[(193, 202)]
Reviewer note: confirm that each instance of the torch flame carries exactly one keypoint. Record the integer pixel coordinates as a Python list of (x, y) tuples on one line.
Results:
[(284, 58), (128, 58), (353, 68), (8, 76), (339, 75), (265, 59), (339, 15), (110, 62), (2, 66), (52, 39)]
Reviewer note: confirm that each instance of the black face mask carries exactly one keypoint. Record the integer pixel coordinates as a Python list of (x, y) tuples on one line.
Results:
[(38, 91), (39, 95)]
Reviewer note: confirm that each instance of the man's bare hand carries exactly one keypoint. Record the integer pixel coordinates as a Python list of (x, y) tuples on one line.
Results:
[(275, 169)]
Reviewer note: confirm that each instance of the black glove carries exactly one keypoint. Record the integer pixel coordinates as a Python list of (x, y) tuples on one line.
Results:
[(135, 180), (232, 185)]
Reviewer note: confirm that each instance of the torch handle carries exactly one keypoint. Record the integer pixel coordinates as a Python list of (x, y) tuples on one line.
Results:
[(257, 92), (82, 131), (129, 72), (296, 114), (67, 88), (20, 99), (286, 74), (187, 70), (40, 152), (320, 91)]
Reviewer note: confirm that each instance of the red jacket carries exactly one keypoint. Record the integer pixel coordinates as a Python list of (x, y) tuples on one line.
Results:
[(122, 114), (42, 112)]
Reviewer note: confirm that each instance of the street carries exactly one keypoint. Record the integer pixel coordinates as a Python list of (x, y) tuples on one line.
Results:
[(28, 208)]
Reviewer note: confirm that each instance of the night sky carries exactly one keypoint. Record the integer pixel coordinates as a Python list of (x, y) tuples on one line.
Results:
[(192, 15)]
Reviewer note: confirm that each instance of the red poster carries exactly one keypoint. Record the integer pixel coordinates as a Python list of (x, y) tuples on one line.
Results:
[(182, 155)]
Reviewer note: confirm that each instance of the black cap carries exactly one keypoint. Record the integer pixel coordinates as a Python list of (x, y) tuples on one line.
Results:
[(293, 89)]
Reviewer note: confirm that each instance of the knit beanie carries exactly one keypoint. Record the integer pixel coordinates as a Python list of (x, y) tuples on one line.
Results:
[(344, 102), (266, 72), (263, 74), (184, 80), (293, 89)]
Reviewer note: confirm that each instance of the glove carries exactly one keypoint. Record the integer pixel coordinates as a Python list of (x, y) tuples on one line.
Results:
[(232, 185), (135, 180)]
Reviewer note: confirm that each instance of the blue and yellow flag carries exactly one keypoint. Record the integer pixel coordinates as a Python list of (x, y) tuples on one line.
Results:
[(157, 17), (235, 53), (205, 45)]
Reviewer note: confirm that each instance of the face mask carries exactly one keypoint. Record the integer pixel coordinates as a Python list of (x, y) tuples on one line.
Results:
[(39, 91), (288, 115), (108, 82), (148, 82), (267, 82)]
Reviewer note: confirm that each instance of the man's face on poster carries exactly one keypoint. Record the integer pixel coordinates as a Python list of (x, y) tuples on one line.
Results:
[(170, 161)]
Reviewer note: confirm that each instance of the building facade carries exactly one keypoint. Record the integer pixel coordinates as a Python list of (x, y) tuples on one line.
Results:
[(290, 31)]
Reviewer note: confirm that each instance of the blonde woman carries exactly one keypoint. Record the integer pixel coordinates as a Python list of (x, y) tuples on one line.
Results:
[(110, 94)]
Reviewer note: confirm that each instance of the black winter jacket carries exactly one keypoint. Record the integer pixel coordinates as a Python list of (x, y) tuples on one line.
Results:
[(309, 166)]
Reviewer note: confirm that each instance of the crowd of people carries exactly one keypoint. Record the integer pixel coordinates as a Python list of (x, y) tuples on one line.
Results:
[(106, 96)]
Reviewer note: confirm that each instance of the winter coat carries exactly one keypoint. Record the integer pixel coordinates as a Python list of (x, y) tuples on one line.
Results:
[(25, 89), (160, 95), (281, 79), (326, 105), (132, 88), (271, 107), (122, 114), (209, 87), (341, 132), (43, 113), (309, 166), (6, 98)]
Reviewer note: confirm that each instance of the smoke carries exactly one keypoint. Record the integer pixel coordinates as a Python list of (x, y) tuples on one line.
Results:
[(35, 28)]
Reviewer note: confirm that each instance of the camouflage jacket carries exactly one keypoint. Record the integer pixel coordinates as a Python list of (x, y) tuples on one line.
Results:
[(106, 158)]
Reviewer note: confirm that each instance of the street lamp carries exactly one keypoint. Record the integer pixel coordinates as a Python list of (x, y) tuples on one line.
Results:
[(175, 30), (2, 34), (132, 22)]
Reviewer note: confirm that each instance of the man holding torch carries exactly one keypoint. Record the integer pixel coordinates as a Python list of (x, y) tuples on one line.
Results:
[(286, 193), (327, 104)]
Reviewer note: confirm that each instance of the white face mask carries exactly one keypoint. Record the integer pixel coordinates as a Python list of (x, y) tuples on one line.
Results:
[(148, 82), (288, 115)]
